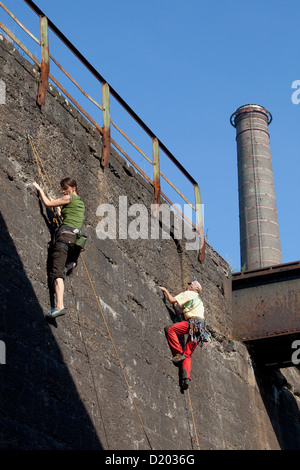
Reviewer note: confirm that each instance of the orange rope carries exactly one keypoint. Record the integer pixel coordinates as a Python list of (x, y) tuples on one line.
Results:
[(39, 164)]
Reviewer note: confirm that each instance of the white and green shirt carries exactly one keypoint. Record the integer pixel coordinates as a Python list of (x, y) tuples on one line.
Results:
[(191, 304)]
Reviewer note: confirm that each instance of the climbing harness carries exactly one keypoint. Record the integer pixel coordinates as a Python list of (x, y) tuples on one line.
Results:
[(198, 332), (39, 165), (81, 239)]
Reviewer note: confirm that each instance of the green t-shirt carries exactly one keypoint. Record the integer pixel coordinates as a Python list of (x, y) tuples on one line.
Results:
[(73, 212)]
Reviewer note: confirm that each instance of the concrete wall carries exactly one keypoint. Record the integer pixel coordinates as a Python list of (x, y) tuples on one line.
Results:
[(62, 386)]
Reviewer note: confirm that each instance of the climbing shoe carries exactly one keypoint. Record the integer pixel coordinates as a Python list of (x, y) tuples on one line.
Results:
[(54, 312), (178, 358), (185, 384)]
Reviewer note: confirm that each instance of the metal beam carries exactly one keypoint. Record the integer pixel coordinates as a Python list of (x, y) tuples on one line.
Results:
[(266, 312), (45, 65), (200, 225), (106, 125), (266, 302), (276, 351), (156, 173)]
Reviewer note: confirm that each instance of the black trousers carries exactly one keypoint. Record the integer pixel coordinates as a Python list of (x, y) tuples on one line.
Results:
[(64, 243)]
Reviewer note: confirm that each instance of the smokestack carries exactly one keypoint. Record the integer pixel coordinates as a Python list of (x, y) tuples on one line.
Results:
[(259, 230)]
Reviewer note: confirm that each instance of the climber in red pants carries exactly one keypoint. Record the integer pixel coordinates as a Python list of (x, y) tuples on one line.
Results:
[(190, 307)]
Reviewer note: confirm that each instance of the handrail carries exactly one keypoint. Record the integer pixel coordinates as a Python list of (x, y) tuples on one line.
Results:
[(20, 24), (107, 91), (75, 83), (90, 67), (16, 40)]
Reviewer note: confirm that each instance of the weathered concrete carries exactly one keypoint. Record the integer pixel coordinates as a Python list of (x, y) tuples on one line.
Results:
[(62, 386), (259, 229)]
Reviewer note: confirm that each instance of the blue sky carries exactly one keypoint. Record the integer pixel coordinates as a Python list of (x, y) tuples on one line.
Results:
[(184, 68)]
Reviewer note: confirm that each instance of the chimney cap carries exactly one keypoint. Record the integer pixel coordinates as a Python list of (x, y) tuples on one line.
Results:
[(248, 108)]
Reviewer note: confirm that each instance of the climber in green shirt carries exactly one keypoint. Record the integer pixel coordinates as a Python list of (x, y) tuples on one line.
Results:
[(73, 212), (71, 209)]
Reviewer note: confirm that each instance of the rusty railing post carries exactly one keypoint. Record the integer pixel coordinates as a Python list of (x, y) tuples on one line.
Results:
[(45, 65), (200, 224), (106, 125), (156, 175)]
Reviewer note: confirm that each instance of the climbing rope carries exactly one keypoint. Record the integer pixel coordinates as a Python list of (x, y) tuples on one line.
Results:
[(117, 355), (39, 165), (92, 375), (194, 423), (42, 170)]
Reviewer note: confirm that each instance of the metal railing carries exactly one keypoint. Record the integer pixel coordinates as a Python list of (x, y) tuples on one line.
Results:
[(105, 129)]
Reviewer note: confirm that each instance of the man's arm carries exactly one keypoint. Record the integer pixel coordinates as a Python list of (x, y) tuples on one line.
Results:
[(169, 296), (173, 301)]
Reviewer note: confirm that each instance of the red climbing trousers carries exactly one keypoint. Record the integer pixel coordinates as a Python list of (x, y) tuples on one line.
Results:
[(178, 329)]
